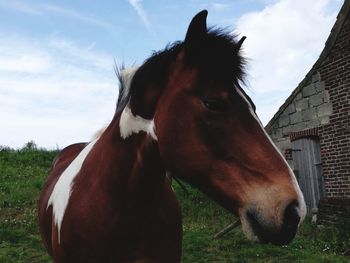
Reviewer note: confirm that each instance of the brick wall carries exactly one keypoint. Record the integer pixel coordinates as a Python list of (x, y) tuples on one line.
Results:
[(310, 107), (333, 209), (335, 136), (320, 106)]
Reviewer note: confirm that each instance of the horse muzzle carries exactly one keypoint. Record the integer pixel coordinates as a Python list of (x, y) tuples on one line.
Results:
[(278, 229)]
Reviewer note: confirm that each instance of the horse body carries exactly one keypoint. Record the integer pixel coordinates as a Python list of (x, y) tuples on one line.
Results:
[(182, 111), (123, 217)]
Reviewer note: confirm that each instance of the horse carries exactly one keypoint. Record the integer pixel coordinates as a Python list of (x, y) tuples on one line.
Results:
[(183, 112)]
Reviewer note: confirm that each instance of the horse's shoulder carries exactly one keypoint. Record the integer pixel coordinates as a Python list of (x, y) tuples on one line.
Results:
[(68, 153), (62, 161)]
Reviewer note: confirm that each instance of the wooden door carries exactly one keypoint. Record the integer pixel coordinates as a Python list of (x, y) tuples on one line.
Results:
[(308, 169)]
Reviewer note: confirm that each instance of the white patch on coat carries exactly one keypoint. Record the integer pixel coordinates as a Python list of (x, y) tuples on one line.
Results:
[(130, 124), (301, 209), (63, 188)]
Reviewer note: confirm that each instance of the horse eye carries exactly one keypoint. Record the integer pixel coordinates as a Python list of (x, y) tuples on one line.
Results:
[(216, 104)]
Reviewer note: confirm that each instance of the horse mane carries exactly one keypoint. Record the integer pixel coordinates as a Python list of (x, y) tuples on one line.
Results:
[(220, 58), (125, 76)]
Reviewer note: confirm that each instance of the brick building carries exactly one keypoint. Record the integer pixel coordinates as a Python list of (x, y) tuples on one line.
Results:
[(312, 127)]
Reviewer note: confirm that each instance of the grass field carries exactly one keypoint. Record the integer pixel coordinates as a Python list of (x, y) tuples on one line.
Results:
[(23, 172)]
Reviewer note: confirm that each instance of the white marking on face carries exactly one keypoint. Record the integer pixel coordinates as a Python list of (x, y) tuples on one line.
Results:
[(130, 124), (63, 188), (301, 202)]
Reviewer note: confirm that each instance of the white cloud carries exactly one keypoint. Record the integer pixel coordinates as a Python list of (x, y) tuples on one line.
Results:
[(219, 6), (59, 92), (25, 63), (283, 42), (43, 9), (136, 4), (19, 57)]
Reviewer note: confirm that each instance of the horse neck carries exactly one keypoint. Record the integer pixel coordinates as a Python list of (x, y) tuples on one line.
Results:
[(137, 168)]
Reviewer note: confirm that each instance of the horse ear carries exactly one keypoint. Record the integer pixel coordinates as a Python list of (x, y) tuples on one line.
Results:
[(240, 42), (197, 30)]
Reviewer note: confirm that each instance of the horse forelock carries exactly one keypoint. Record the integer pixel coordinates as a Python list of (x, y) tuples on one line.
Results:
[(220, 56)]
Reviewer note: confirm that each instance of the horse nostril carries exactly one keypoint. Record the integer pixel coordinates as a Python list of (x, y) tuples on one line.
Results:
[(291, 220), (281, 235)]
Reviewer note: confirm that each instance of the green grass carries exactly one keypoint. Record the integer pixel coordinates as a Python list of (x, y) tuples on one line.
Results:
[(203, 218), (22, 174)]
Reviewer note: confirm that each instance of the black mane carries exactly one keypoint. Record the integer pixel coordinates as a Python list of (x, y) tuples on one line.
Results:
[(218, 57)]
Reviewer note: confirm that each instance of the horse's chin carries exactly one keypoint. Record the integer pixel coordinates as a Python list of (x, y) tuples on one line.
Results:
[(248, 230)]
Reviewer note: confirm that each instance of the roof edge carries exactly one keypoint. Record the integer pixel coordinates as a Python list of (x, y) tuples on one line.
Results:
[(338, 25)]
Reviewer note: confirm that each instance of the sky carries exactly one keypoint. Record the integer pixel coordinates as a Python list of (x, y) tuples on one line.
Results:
[(57, 80)]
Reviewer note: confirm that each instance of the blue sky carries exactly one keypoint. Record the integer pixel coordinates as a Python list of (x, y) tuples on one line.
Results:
[(57, 83)]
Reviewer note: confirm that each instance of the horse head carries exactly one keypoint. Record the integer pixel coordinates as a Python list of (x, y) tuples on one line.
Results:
[(191, 102)]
